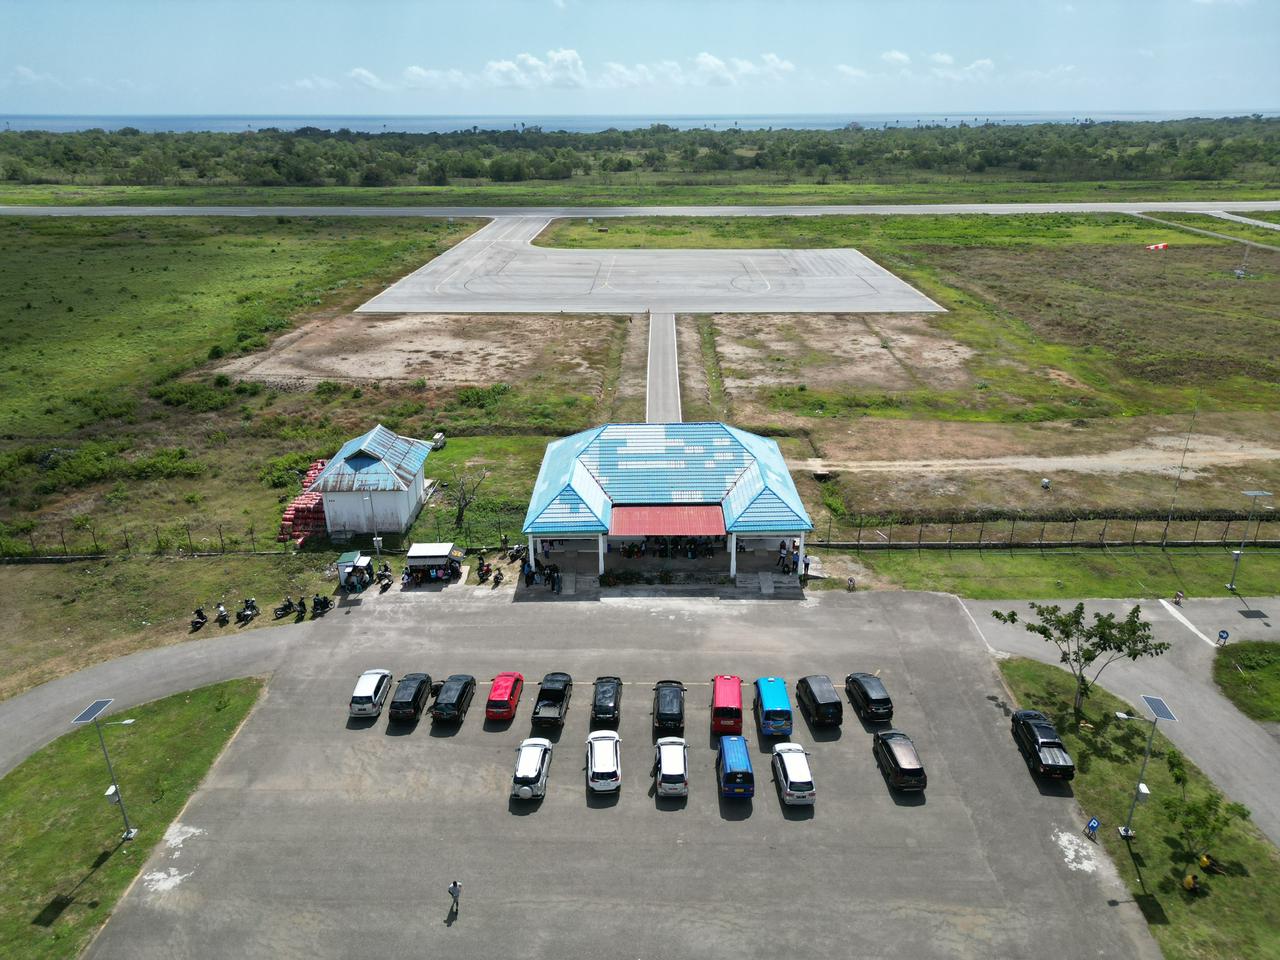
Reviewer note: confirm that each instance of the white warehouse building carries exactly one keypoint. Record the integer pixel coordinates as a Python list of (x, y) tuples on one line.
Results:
[(375, 484)]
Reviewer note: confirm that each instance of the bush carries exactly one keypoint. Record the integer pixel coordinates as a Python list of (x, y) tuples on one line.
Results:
[(286, 470), (195, 396), (483, 397)]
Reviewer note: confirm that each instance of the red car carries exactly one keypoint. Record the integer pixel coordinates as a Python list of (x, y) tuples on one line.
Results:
[(504, 696)]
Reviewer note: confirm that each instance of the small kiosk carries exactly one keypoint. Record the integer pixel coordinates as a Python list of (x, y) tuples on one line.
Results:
[(434, 562), (355, 570)]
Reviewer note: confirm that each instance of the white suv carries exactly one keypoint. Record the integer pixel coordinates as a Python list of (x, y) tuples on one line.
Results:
[(370, 693), (671, 767), (604, 761), (533, 763), (792, 774)]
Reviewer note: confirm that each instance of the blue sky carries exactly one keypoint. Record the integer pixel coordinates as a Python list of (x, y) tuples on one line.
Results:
[(633, 56)]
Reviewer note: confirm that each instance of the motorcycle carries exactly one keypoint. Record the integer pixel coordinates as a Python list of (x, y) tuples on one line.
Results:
[(248, 611), (517, 554), (200, 619), (222, 616), (302, 606), (285, 608), (320, 605), (482, 574), (497, 579)]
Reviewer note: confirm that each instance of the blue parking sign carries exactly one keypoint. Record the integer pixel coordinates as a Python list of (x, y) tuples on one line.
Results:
[(1091, 828)]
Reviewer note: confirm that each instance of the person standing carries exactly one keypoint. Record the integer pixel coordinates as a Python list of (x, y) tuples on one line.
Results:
[(455, 891), (782, 552)]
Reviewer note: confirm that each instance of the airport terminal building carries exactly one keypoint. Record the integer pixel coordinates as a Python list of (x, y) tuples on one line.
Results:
[(625, 484)]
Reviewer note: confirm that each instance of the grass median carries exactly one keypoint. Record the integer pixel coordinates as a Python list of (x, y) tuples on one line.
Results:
[(62, 865), (1238, 913), (1052, 574), (1248, 674)]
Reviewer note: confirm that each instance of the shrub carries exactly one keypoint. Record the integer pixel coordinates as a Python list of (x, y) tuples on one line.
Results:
[(195, 396)]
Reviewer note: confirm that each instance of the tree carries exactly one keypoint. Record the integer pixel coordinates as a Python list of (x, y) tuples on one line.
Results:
[(1082, 645), (463, 491)]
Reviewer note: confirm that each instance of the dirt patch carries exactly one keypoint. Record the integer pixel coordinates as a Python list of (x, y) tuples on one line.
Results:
[(441, 349), (628, 399), (695, 398)]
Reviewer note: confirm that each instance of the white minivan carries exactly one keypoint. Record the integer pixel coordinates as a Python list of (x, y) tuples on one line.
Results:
[(370, 693), (671, 767), (792, 773), (533, 763), (604, 761)]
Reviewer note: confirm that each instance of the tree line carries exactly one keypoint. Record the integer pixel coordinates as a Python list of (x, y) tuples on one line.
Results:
[(1195, 149)]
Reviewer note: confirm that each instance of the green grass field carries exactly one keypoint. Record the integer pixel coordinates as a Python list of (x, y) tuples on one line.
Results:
[(1231, 228), (1248, 674), (62, 865), (1238, 915), (1271, 216), (1052, 575), (648, 188), (92, 309)]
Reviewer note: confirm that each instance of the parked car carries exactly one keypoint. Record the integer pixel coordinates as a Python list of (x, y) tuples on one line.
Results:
[(606, 702), (819, 700), (726, 704), (668, 706), (533, 763), (370, 693), (553, 700), (792, 774), (869, 697), (1041, 746), (734, 775), (604, 761), (898, 760), (410, 698), (671, 767), (504, 696), (438, 441), (455, 696)]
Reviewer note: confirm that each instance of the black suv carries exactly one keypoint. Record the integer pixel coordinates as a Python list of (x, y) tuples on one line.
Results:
[(1041, 746), (819, 701), (897, 759), (411, 695), (454, 698), (606, 704), (668, 706), (868, 696)]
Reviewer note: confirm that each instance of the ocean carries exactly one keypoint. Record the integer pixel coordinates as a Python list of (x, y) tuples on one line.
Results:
[(577, 124)]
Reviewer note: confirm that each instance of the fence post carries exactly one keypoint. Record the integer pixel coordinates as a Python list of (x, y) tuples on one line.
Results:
[(1223, 538), (31, 535), (190, 546), (890, 540), (1164, 536), (981, 527), (159, 547), (919, 535), (950, 530), (127, 548), (1042, 526), (1073, 532), (1195, 534), (222, 544), (253, 541), (62, 533), (859, 547), (1134, 538), (1012, 527), (93, 532), (828, 530), (1103, 538)]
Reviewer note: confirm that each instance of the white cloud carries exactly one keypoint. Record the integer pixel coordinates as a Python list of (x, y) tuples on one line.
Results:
[(851, 73), (1057, 74), (776, 67), (944, 59), (977, 70), (313, 82), (710, 70), (896, 57), (618, 75), (367, 78), (561, 68), (423, 78), (22, 76)]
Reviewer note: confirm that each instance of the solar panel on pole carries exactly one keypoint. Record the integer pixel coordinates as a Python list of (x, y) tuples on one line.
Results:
[(93, 711), (1159, 708)]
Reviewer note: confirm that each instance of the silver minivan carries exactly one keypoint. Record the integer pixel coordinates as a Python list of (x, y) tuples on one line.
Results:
[(370, 693), (671, 767)]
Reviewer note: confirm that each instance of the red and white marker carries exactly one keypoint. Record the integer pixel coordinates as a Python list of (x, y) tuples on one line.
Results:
[(1157, 246)]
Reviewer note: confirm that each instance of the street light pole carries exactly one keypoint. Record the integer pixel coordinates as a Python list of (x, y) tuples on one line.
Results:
[(129, 831), (1253, 496), (373, 522), (1127, 830)]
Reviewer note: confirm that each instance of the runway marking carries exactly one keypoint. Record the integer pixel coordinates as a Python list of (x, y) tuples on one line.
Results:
[(609, 276), (767, 285), (1177, 615), (990, 649)]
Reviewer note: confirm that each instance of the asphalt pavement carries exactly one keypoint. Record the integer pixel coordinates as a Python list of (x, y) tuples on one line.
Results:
[(662, 388), (317, 837)]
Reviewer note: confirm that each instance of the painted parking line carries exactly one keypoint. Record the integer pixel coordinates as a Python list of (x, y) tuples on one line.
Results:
[(1177, 615)]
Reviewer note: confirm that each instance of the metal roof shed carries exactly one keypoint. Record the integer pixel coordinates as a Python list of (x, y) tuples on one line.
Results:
[(375, 483)]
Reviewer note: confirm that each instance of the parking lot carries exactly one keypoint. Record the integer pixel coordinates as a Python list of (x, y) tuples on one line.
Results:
[(316, 836)]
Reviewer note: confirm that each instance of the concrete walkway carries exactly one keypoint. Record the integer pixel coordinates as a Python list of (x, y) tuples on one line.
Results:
[(1265, 224), (1238, 754), (662, 392)]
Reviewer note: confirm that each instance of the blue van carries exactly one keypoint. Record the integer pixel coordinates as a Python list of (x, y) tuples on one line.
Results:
[(733, 769), (773, 707)]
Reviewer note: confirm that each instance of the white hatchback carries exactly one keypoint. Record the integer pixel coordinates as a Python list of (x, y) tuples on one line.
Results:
[(604, 761), (370, 693), (533, 764), (671, 767), (792, 774)]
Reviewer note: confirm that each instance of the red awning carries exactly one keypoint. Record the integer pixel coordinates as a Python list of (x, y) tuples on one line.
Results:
[(667, 521)]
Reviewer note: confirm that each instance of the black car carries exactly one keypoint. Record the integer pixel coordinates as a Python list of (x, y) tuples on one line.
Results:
[(606, 704), (411, 695), (668, 706), (819, 701), (1041, 746), (868, 696), (454, 698), (897, 759)]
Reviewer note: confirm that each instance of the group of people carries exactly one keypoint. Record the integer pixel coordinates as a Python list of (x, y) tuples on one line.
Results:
[(789, 558), (688, 547), (536, 571)]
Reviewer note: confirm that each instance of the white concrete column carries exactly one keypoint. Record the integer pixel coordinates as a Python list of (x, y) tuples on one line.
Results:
[(801, 568), (531, 553), (600, 541), (733, 555)]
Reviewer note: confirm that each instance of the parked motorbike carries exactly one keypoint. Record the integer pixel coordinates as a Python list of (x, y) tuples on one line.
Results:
[(222, 616), (482, 574), (302, 606), (517, 554), (248, 611), (497, 579), (285, 608), (200, 619), (320, 605)]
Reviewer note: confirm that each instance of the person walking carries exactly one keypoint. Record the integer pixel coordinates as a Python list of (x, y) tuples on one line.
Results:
[(782, 552), (455, 891)]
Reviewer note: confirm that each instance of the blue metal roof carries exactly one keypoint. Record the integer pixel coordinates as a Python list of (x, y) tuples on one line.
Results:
[(585, 475), (379, 460)]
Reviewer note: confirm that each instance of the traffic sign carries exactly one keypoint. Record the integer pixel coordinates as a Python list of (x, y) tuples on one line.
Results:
[(1222, 636)]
